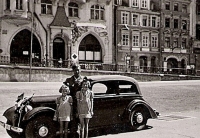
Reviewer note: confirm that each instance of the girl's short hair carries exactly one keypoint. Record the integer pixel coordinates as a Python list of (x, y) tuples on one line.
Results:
[(63, 87)]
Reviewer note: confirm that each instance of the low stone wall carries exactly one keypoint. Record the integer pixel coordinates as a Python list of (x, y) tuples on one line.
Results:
[(47, 74)]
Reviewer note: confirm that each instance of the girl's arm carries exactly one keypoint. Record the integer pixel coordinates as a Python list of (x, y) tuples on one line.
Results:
[(91, 99)]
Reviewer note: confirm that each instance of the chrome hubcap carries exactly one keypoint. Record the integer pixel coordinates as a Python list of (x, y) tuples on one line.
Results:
[(139, 118), (43, 131)]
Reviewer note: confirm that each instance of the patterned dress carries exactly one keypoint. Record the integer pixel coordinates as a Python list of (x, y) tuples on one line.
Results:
[(84, 103), (64, 109)]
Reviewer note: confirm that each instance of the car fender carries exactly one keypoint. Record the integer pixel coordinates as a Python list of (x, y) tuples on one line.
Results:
[(138, 102), (38, 110), (10, 114)]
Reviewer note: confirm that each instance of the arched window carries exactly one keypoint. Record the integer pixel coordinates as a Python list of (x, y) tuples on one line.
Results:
[(73, 9), (97, 12), (90, 50)]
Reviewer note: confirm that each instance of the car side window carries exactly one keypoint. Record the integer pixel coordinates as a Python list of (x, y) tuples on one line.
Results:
[(129, 88), (99, 88)]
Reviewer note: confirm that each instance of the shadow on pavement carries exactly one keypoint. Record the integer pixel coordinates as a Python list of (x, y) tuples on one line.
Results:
[(113, 130)]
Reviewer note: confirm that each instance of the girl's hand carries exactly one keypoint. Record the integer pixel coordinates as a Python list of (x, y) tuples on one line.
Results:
[(92, 113)]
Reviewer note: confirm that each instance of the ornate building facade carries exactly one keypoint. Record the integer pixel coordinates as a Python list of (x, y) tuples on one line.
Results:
[(176, 38), (66, 30), (137, 35)]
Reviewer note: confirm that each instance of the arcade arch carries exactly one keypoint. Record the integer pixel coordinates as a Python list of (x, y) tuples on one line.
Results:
[(20, 48), (90, 50)]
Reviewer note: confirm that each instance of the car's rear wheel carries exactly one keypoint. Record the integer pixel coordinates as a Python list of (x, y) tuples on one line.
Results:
[(41, 127), (138, 118)]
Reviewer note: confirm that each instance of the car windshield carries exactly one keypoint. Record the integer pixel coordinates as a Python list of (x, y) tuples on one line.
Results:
[(114, 87)]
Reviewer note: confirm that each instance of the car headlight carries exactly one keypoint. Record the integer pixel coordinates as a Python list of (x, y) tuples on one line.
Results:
[(28, 108)]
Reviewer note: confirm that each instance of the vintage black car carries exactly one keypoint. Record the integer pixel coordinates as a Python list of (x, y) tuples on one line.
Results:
[(117, 100)]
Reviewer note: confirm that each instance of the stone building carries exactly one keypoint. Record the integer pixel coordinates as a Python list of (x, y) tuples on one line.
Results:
[(176, 38), (137, 35), (56, 30)]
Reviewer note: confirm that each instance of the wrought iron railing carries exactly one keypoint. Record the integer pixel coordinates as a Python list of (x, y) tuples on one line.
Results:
[(100, 66)]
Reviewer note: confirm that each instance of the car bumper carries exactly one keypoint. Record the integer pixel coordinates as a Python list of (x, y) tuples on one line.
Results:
[(11, 128)]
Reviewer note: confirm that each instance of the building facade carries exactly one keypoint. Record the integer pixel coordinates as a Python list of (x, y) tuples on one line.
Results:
[(176, 38), (56, 30), (138, 34)]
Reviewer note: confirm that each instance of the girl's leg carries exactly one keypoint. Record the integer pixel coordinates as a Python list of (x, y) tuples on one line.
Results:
[(86, 122), (82, 127), (61, 129), (66, 129)]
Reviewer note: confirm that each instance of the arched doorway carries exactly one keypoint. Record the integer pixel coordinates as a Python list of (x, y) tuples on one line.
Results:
[(143, 64), (90, 50), (172, 65), (58, 50), (20, 49)]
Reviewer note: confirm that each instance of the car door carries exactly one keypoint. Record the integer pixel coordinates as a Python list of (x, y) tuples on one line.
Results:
[(105, 107)]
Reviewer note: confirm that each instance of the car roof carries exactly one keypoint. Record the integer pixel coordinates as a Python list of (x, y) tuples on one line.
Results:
[(99, 78), (112, 77)]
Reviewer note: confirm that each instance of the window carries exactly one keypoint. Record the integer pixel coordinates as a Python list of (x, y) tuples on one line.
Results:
[(46, 6), (144, 4), (167, 42), (167, 6), (125, 39), (184, 8), (135, 40), (73, 9), (153, 22), (125, 18), (175, 23), (7, 4), (144, 21), (90, 50), (167, 22), (154, 41), (183, 43), (134, 19), (135, 3), (19, 4), (145, 39), (97, 12), (175, 6), (184, 24), (175, 45)]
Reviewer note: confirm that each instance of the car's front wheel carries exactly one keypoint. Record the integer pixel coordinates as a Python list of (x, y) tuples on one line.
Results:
[(41, 127), (138, 119)]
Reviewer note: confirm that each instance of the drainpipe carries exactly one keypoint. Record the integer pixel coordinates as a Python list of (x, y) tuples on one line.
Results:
[(46, 35)]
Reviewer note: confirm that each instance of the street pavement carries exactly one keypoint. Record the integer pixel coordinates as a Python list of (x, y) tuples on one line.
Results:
[(177, 120), (173, 125)]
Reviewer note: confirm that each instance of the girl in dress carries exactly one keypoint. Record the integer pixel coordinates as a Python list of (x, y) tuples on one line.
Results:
[(84, 107), (64, 110)]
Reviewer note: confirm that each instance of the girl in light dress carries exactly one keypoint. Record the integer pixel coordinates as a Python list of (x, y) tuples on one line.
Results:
[(64, 110), (84, 107)]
